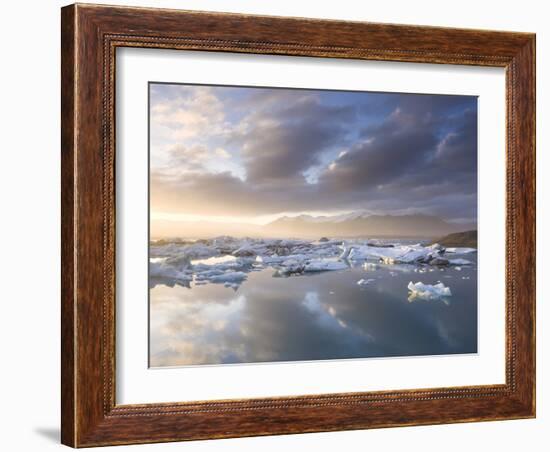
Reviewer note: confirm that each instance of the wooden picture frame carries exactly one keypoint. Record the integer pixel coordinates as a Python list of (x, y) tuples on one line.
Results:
[(90, 35)]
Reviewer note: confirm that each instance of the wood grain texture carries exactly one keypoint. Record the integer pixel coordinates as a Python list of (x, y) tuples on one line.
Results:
[(90, 36), (68, 147)]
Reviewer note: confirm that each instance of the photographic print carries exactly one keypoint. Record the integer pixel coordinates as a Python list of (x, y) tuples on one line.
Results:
[(300, 224)]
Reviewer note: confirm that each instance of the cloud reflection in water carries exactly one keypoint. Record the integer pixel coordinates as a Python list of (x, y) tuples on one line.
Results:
[(323, 316)]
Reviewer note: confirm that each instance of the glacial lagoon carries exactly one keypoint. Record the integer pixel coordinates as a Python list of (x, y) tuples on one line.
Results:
[(235, 301)]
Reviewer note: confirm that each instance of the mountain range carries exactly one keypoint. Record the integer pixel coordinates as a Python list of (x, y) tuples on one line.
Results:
[(362, 224), (353, 224)]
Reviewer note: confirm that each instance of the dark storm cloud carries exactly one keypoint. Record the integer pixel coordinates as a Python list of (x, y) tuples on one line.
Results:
[(458, 150), (288, 138), (413, 160), (397, 146)]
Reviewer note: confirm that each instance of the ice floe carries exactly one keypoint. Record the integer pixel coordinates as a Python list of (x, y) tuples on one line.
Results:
[(320, 265), (397, 254), (423, 291), (228, 260), (460, 262), (162, 273), (460, 250)]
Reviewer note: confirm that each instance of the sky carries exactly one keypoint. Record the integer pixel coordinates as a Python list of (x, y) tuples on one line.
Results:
[(244, 154)]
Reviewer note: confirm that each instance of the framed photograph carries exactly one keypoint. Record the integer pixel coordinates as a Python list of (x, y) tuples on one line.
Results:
[(281, 225)]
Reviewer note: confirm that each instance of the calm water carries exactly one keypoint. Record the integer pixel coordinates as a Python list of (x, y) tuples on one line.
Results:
[(320, 316)]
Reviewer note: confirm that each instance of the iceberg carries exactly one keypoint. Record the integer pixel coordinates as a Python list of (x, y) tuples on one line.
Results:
[(245, 251), (460, 262), (228, 277), (398, 254), (292, 265), (423, 291), (324, 265), (228, 260), (162, 273), (437, 247), (180, 261), (460, 250), (276, 259)]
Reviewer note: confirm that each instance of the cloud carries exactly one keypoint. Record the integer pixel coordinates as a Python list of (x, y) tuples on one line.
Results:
[(386, 151), (184, 159), (405, 165), (457, 151), (190, 112), (265, 151), (222, 153), (283, 139)]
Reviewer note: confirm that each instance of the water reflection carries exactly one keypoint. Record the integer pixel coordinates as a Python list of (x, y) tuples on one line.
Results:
[(322, 316)]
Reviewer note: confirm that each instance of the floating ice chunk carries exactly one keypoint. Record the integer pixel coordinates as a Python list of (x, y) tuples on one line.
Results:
[(211, 260), (439, 261), (428, 291), (365, 282), (228, 277), (197, 251), (346, 250), (380, 244), (157, 260), (245, 251), (320, 265), (399, 254), (458, 250), (292, 265), (214, 260), (436, 247), (275, 259), (161, 273), (205, 271), (404, 254), (395, 254), (292, 262), (460, 262), (266, 260), (180, 261)]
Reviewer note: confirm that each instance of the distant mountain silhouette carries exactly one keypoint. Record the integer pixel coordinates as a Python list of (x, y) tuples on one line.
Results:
[(354, 224), (466, 238), (363, 224)]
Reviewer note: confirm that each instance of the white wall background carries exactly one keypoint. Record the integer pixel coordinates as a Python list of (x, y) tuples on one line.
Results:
[(29, 229)]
